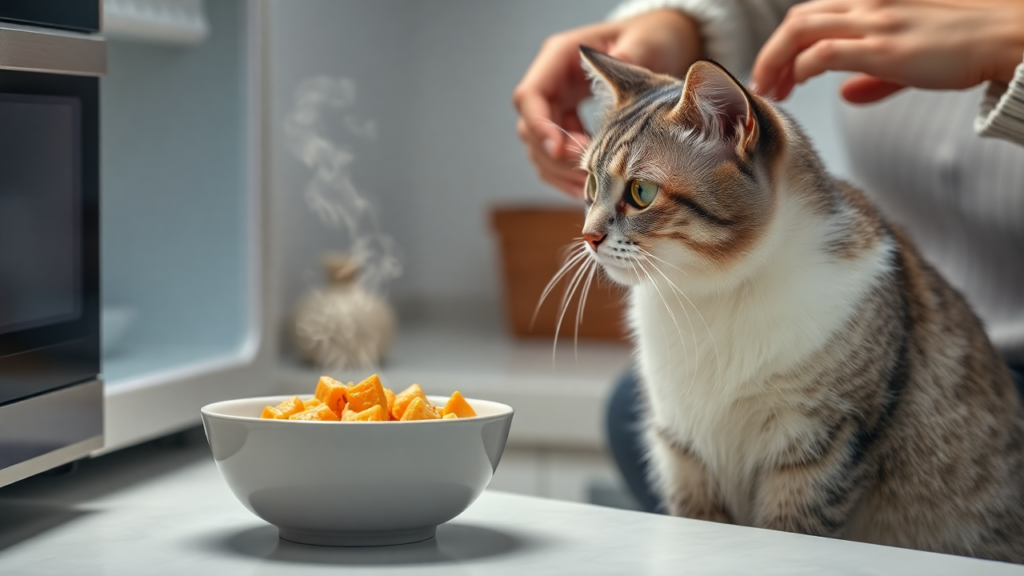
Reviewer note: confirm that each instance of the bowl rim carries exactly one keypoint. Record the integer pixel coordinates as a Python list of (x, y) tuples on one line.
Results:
[(210, 410)]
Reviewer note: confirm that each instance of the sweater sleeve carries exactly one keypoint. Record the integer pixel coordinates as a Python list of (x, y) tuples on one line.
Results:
[(1002, 111), (733, 30)]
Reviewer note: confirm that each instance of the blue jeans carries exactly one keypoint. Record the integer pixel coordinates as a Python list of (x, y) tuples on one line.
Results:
[(622, 425)]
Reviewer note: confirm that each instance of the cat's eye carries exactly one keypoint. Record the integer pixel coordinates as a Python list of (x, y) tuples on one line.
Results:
[(643, 192), (590, 192)]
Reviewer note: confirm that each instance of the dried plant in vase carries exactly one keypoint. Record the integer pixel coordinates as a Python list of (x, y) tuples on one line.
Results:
[(343, 325)]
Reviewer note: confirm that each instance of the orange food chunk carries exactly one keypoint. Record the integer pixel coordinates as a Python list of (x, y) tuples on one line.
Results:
[(290, 406), (321, 412), (323, 385), (457, 405), (368, 401), (367, 394), (419, 409), (331, 392), (326, 413), (372, 414), (404, 398), (391, 402)]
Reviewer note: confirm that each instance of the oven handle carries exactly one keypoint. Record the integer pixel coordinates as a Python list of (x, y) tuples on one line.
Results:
[(34, 50)]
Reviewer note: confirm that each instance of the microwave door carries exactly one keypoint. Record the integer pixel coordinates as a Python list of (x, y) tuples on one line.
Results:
[(51, 397)]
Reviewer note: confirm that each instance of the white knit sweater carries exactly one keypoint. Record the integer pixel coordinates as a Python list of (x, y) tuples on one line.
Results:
[(919, 155)]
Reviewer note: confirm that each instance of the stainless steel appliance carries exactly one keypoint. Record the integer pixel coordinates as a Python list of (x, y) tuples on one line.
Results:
[(51, 398)]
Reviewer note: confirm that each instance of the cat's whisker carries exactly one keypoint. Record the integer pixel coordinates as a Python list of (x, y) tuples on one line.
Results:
[(572, 261), (579, 311), (693, 332), (718, 358), (582, 147), (650, 255), (566, 296), (668, 309), (640, 282), (565, 304)]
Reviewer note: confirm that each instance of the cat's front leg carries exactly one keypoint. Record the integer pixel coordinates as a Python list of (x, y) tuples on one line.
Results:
[(816, 487), (682, 480)]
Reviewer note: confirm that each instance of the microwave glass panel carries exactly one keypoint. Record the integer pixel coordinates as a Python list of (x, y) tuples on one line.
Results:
[(40, 211)]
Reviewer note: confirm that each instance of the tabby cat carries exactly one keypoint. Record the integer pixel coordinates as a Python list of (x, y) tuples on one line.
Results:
[(803, 368)]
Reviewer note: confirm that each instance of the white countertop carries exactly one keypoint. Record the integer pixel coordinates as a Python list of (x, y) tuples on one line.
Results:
[(164, 510)]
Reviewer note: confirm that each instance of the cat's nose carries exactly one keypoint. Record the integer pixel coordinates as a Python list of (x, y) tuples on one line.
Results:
[(594, 239)]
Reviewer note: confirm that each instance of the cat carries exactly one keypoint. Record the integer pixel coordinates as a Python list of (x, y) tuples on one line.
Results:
[(802, 367)]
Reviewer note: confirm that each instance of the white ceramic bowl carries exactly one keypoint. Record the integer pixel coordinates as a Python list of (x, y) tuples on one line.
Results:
[(355, 483)]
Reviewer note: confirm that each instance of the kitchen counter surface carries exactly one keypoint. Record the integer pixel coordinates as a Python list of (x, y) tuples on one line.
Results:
[(163, 509)]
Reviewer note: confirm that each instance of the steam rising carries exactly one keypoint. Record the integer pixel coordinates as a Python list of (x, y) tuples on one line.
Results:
[(331, 194)]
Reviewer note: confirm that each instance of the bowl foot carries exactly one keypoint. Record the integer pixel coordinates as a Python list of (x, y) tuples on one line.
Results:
[(345, 538)]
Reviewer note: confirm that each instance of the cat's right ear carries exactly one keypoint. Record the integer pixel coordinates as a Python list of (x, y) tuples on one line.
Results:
[(613, 80), (716, 102)]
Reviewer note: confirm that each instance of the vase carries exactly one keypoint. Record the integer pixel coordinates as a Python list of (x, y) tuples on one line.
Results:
[(343, 325)]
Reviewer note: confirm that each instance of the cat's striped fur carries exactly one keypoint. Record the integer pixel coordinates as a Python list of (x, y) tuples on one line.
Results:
[(803, 368)]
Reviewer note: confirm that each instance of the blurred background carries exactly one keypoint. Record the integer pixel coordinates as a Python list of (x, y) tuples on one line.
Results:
[(233, 132)]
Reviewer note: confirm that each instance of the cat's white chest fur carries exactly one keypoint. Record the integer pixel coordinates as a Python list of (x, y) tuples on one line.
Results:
[(712, 364)]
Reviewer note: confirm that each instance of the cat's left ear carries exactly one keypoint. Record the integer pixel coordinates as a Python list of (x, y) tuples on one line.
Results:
[(615, 80), (715, 100)]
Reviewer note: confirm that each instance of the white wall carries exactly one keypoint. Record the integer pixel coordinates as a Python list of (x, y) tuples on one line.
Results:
[(369, 43), (437, 77)]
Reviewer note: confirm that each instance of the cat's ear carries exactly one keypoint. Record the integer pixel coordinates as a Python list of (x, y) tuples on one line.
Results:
[(715, 100), (613, 80)]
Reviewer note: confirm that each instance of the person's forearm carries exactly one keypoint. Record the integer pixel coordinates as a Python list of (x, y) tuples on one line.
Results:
[(732, 30)]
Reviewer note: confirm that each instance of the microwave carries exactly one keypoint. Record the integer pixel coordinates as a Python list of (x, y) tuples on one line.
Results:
[(51, 395)]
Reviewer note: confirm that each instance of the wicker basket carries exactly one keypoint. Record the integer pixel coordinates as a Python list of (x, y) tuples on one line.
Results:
[(533, 244)]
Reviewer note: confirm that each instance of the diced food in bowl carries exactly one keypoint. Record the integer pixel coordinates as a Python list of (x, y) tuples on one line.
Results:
[(372, 414), (319, 413), (331, 392), (366, 394), (368, 401), (420, 409), (404, 398), (458, 406), (285, 409)]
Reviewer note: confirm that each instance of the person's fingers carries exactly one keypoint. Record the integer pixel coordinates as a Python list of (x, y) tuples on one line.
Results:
[(665, 41), (834, 54), (571, 121), (864, 89), (573, 188), (570, 181), (551, 169), (536, 120), (635, 47), (784, 86), (551, 84), (794, 36), (575, 140)]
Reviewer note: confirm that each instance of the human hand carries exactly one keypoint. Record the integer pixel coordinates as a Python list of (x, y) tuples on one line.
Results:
[(893, 44), (665, 41)]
